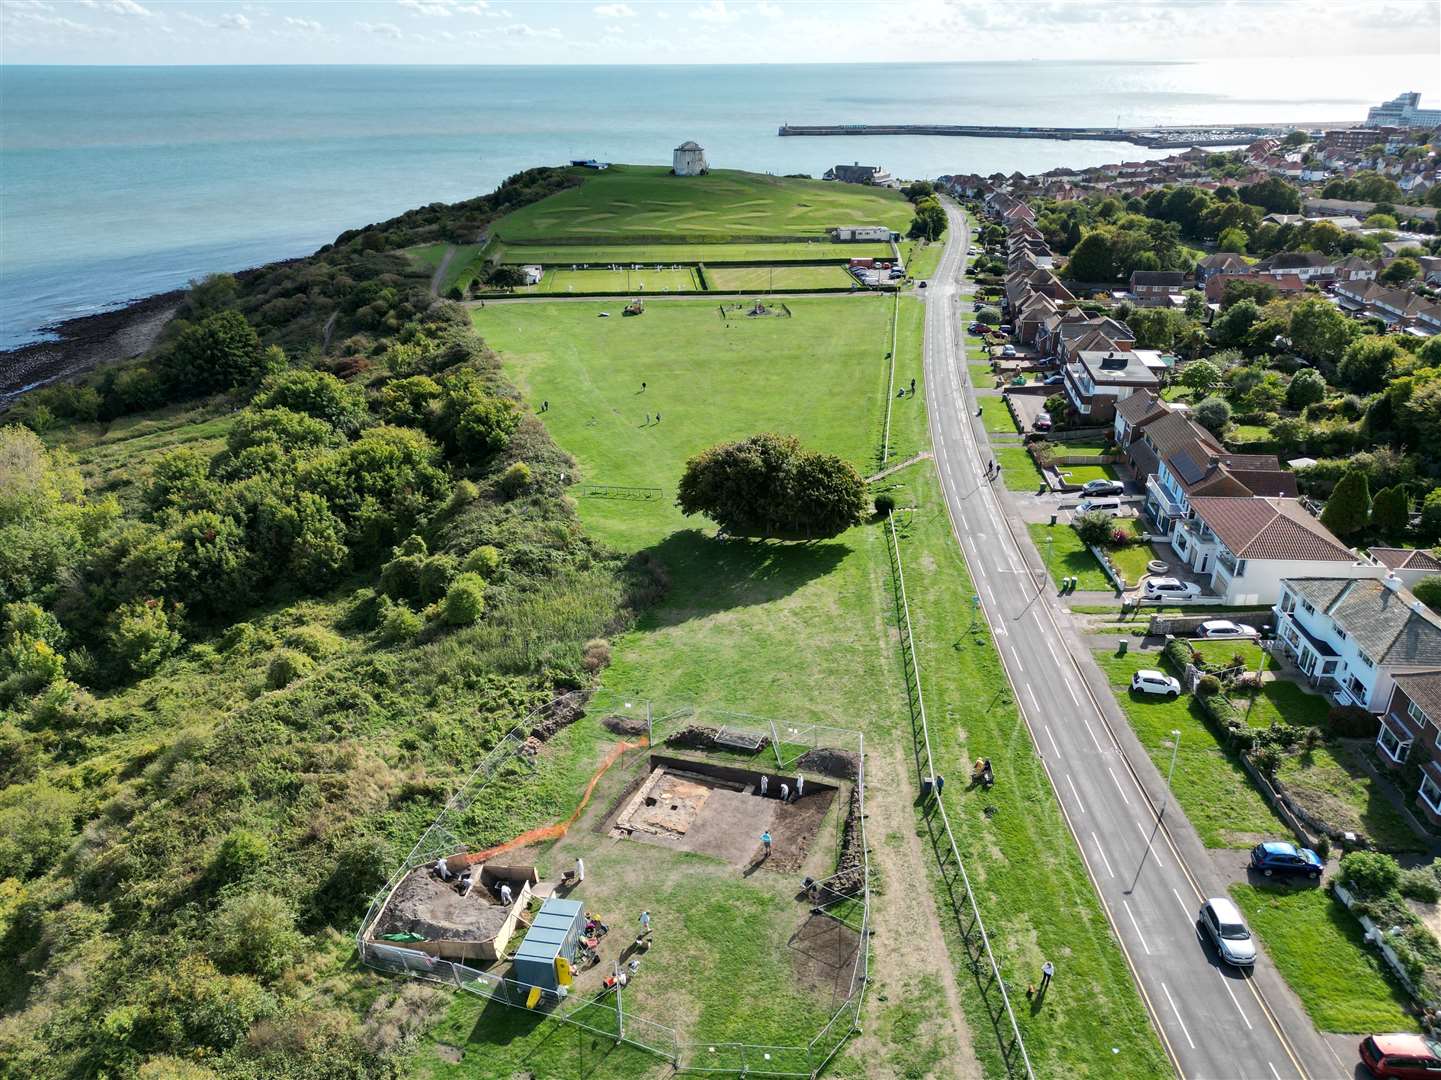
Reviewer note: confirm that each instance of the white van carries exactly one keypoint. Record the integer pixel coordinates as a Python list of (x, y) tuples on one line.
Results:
[(1108, 505)]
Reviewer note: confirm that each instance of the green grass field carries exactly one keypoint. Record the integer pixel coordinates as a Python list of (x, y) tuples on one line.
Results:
[(1331, 781), (981, 376), (765, 278), (568, 255), (921, 259), (1018, 468), (1209, 782), (615, 281), (648, 202), (1067, 556), (1131, 561), (1319, 948), (804, 631), (997, 416)]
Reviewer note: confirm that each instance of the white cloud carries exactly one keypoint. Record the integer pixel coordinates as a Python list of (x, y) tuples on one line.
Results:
[(713, 12), (444, 9), (118, 7), (233, 21), (33, 16), (614, 11), (768, 10), (309, 26), (526, 31), (384, 29)]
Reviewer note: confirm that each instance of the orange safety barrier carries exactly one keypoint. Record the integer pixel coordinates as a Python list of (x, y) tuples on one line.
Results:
[(559, 829)]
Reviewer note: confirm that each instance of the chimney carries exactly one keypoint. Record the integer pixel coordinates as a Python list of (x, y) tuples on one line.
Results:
[(1392, 582)]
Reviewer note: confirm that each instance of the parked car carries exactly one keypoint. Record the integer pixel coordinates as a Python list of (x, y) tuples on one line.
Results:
[(1107, 504), (1150, 681), (1402, 1056), (1169, 588), (1103, 487), (1042, 422), (976, 328), (1224, 628), (923, 284), (1008, 350), (1278, 857), (1054, 380), (1224, 924), (978, 306)]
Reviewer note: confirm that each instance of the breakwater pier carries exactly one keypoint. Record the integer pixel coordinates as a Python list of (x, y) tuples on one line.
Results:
[(1156, 137)]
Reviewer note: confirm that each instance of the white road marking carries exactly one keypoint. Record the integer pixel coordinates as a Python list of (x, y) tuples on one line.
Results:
[(1092, 733), (1178, 1017), (1273, 1070), (1227, 984), (1075, 794), (1103, 855), (1184, 909), (1054, 747), (1072, 691), (1118, 785), (1126, 904), (1156, 852), (990, 596), (1017, 658), (1032, 695)]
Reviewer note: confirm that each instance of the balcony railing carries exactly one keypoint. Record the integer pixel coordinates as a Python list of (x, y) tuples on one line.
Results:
[(1169, 505)]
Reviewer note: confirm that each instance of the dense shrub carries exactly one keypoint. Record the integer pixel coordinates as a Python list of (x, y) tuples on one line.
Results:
[(1094, 527), (1178, 654), (142, 635), (435, 576), (316, 394), (37, 825), (885, 505), (285, 667), (1352, 722), (465, 600), (516, 480), (1207, 685), (1370, 874), (240, 854), (1420, 884), (254, 933), (398, 623), (484, 560)]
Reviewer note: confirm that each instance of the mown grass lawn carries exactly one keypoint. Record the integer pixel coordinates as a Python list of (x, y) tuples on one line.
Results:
[(763, 278), (1084, 474), (922, 258), (1066, 556), (1319, 947), (1243, 433), (648, 203), (1131, 561), (568, 255), (1018, 468), (639, 282), (997, 416), (1209, 782), (982, 377)]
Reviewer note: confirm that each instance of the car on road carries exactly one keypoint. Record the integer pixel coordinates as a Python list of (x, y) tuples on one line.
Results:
[(1151, 681), (1278, 857), (1169, 588), (1222, 922), (1225, 628), (1092, 488), (1402, 1056)]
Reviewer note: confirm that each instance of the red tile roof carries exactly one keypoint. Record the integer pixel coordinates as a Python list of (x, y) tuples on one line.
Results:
[(1258, 528)]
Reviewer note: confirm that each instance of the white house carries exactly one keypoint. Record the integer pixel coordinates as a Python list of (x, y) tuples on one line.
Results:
[(1249, 545), (533, 274), (688, 159), (845, 233), (1352, 637)]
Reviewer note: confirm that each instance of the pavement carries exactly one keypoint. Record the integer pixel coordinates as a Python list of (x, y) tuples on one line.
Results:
[(1146, 861)]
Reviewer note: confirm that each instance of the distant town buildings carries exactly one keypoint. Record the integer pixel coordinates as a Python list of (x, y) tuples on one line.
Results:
[(688, 159), (1403, 111), (856, 173)]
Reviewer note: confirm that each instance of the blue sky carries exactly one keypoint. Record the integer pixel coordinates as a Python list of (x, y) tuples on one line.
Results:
[(703, 31)]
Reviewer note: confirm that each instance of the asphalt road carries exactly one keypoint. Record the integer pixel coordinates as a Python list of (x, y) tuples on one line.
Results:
[(1145, 859)]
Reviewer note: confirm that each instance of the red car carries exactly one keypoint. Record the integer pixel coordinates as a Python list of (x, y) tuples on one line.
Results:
[(1402, 1057)]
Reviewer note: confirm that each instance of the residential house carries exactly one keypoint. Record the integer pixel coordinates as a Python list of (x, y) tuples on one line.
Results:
[(857, 173), (1249, 544), (1222, 262), (1285, 284), (1032, 314), (1154, 288), (1355, 268), (1351, 635), (1409, 564), (1409, 733), (1074, 334), (1306, 265), (1096, 380), (1134, 413)]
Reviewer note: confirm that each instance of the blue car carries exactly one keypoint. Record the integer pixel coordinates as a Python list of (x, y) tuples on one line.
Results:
[(1279, 857)]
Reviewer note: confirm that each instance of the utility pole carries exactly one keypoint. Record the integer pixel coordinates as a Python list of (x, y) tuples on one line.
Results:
[(1175, 748)]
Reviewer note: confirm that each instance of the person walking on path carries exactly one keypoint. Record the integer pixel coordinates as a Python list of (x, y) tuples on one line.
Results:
[(913, 388), (642, 387), (645, 924), (800, 785), (766, 843), (1047, 970), (657, 418)]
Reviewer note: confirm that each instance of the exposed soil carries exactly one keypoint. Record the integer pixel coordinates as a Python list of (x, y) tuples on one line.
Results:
[(624, 725), (86, 343), (823, 956), (425, 905), (828, 761), (701, 737)]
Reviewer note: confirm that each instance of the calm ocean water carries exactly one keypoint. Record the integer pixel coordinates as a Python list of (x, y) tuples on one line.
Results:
[(120, 182)]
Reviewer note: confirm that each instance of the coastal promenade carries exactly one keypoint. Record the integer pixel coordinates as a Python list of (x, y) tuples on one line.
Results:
[(1154, 137)]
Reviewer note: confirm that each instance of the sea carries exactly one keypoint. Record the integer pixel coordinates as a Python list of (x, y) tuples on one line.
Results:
[(120, 182)]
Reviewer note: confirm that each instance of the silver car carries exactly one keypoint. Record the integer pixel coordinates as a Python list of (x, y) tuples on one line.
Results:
[(1225, 628), (1221, 921)]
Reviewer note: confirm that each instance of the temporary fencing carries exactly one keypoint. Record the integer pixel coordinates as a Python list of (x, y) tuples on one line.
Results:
[(606, 1015), (961, 898)]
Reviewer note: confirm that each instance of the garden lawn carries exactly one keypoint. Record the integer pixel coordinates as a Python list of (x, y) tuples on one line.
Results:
[(1222, 653), (764, 278), (1069, 557), (982, 377), (1244, 433), (1318, 946), (1084, 474), (1332, 784), (1282, 701), (568, 255), (1018, 468), (997, 416), (647, 203), (638, 282), (1209, 782), (1131, 561)]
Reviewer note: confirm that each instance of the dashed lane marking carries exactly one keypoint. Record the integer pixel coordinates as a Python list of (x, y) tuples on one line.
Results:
[(1137, 926), (1074, 793), (1178, 1015), (1104, 859)]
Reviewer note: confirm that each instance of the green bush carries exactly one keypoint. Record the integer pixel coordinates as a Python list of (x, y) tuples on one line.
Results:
[(465, 600), (484, 560), (315, 642), (37, 824), (1352, 722), (254, 933), (1178, 654), (435, 577), (1370, 874), (398, 622), (885, 505), (1207, 685), (1420, 884), (1094, 527), (285, 667), (400, 578), (240, 854), (141, 636), (516, 480)]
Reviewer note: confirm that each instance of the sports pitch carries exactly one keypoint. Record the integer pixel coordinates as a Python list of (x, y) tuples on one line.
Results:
[(617, 281), (764, 278)]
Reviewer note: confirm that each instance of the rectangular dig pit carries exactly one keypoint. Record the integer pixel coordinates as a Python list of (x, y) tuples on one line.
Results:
[(717, 810)]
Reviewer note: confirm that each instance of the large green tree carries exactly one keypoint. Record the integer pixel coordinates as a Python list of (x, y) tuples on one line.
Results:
[(1092, 259), (1367, 363), (217, 353), (1390, 512), (769, 485), (1319, 331), (1348, 509)]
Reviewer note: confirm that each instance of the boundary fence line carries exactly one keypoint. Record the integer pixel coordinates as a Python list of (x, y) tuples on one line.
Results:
[(620, 491), (982, 960), (605, 1014)]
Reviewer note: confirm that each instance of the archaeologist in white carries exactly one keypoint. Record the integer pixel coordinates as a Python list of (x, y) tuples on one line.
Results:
[(505, 894)]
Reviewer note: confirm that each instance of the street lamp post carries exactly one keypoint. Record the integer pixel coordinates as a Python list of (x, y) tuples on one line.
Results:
[(1175, 748)]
